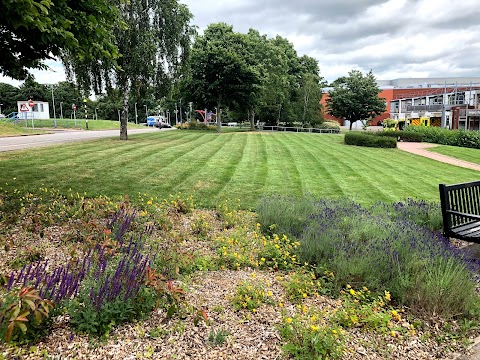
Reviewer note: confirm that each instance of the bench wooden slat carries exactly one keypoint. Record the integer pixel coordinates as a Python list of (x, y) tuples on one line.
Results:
[(461, 210), (466, 227)]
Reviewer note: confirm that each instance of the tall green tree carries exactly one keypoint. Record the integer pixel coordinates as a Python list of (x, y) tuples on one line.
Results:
[(8, 98), (35, 30), (221, 74), (153, 38), (355, 97)]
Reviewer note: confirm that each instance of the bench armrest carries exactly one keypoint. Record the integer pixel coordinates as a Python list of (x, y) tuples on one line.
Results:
[(470, 216)]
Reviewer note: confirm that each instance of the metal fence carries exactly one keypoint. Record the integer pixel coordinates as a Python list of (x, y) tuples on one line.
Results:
[(298, 129)]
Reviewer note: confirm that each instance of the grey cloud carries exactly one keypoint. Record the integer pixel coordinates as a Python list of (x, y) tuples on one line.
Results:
[(341, 30)]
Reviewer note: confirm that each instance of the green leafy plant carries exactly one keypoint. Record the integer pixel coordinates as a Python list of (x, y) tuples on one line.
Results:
[(217, 338), (250, 296), (369, 140), (24, 314), (307, 339), (300, 285)]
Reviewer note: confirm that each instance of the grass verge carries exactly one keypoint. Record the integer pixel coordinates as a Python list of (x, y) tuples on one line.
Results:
[(215, 167), (466, 154)]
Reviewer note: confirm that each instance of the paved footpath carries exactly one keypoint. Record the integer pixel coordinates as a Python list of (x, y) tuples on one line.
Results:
[(63, 136), (419, 149)]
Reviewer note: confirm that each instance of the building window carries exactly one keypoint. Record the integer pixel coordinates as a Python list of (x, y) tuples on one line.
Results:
[(35, 107), (41, 107)]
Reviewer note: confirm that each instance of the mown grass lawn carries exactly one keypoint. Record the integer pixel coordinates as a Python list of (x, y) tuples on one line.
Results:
[(9, 129), (467, 154), (241, 166), (73, 124)]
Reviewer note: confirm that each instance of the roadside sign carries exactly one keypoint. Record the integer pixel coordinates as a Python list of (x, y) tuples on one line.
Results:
[(74, 107), (24, 108), (30, 103)]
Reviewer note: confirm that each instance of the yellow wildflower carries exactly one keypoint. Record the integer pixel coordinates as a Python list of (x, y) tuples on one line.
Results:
[(288, 320), (387, 295)]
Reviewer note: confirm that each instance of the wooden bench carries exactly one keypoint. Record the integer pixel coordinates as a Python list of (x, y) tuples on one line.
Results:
[(461, 210)]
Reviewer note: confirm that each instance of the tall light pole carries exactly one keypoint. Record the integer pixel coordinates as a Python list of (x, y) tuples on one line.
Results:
[(176, 114), (61, 111), (181, 118), (136, 115), (146, 113), (53, 101)]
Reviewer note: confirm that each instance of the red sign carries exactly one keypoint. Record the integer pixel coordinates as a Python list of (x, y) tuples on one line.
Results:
[(24, 108), (74, 107), (30, 103)]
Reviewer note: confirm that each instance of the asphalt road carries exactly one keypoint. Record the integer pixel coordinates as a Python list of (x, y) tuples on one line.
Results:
[(58, 137)]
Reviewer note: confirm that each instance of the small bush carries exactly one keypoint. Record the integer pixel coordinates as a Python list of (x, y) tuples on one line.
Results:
[(196, 125), (250, 296), (380, 250), (24, 315), (329, 125), (436, 135), (369, 140), (406, 136)]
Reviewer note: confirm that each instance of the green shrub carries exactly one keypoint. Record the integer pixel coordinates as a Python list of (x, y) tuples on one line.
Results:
[(436, 135), (24, 315), (196, 125), (406, 136), (369, 140), (329, 125), (382, 250)]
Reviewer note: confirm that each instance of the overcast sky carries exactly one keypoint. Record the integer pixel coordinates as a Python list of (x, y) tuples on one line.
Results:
[(395, 39)]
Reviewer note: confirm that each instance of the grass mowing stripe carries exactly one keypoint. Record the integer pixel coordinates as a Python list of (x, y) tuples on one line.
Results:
[(283, 177), (223, 163), (251, 172), (366, 159), (398, 172), (155, 167), (465, 154), (349, 166), (174, 174), (150, 155), (323, 177)]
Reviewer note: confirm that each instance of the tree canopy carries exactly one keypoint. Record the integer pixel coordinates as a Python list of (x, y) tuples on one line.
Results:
[(355, 97), (32, 31), (153, 39), (254, 75)]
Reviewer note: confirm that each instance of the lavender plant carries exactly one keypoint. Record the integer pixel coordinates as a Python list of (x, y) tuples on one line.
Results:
[(383, 250)]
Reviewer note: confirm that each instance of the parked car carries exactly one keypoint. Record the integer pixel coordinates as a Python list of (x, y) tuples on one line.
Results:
[(162, 125)]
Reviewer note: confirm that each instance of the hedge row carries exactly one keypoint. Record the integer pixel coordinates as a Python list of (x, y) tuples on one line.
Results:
[(436, 135), (368, 139), (407, 136)]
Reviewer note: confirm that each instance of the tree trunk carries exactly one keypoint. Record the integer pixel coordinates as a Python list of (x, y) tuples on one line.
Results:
[(305, 103), (124, 114), (219, 116), (279, 113), (252, 120), (351, 124)]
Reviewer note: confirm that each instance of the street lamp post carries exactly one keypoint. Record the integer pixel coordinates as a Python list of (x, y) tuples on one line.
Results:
[(61, 110), (136, 115), (181, 118), (53, 101), (176, 114)]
